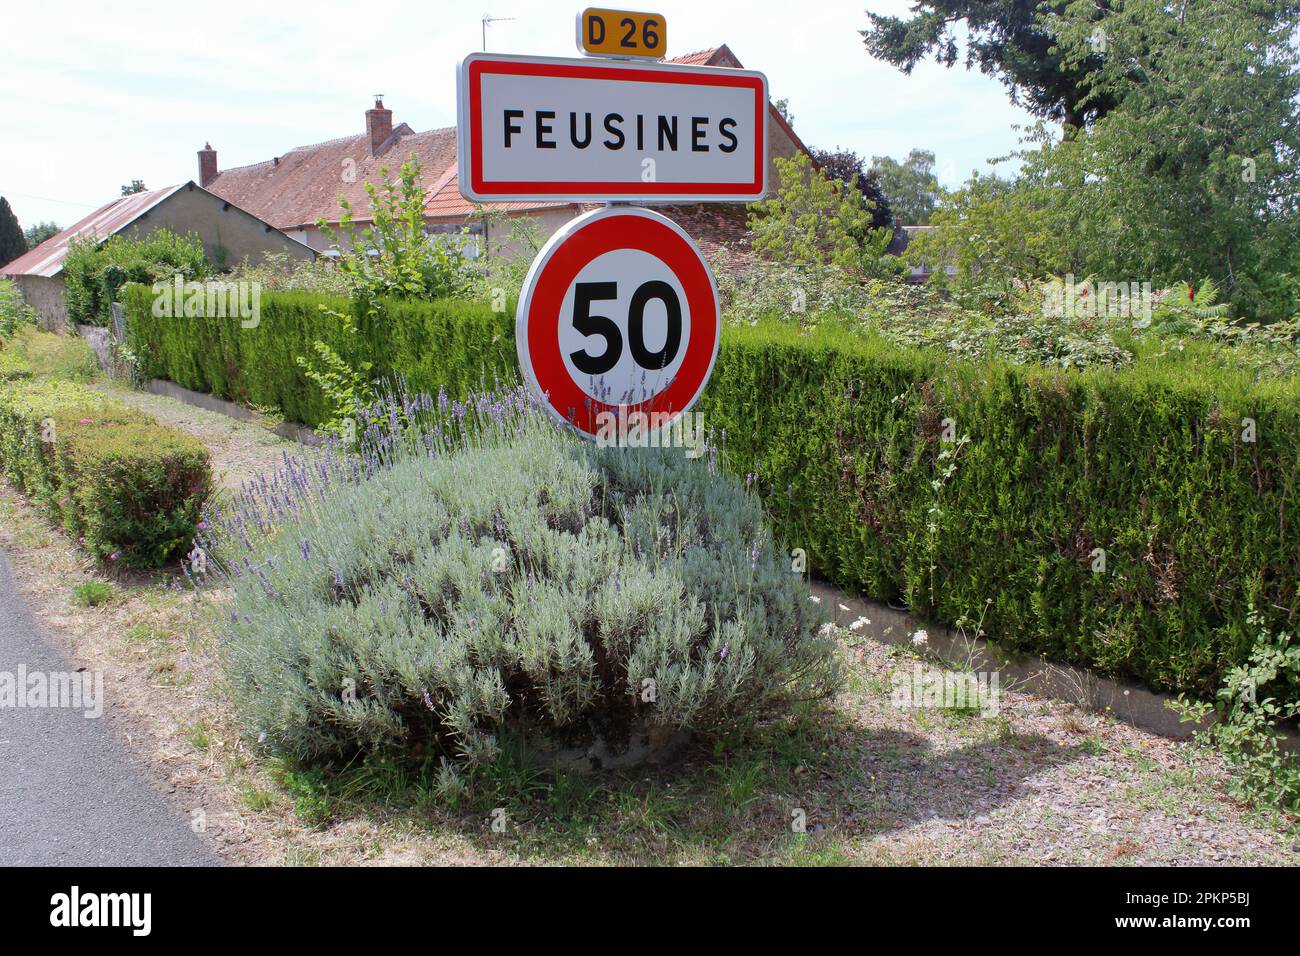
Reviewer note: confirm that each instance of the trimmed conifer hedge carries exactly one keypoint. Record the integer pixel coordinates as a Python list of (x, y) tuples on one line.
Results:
[(448, 343), (1127, 520), (129, 488), (1151, 475)]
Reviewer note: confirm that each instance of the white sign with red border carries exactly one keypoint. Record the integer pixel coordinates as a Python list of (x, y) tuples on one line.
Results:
[(537, 128), (618, 315)]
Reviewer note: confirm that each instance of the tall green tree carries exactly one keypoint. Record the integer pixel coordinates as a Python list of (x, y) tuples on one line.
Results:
[(1193, 175), (1002, 38), (1196, 172), (12, 242), (848, 167), (912, 187), (38, 233), (136, 186), (813, 219)]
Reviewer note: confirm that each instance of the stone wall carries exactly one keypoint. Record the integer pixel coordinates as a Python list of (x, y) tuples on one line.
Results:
[(46, 297)]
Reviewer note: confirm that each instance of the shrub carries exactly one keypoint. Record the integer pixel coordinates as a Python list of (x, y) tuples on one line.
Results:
[(1256, 697), (92, 593), (481, 571), (1030, 327), (393, 256), (1132, 444), (1154, 465), (13, 365), (67, 357), (94, 271), (14, 310), (814, 220), (444, 343), (128, 488), (762, 289), (280, 272)]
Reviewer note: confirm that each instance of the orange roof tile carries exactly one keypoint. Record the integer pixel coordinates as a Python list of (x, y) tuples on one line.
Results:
[(445, 201), (717, 56), (304, 185)]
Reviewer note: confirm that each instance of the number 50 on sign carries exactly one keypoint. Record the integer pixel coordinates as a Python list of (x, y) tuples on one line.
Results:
[(618, 315)]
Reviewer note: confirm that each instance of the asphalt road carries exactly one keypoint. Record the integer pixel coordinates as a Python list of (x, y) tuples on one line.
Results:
[(69, 792)]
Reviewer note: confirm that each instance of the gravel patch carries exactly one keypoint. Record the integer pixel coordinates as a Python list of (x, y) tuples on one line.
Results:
[(239, 449)]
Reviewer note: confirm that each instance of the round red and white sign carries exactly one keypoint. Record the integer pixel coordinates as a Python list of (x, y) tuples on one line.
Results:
[(619, 315)]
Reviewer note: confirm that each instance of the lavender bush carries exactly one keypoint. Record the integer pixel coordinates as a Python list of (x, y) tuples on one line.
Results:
[(478, 567)]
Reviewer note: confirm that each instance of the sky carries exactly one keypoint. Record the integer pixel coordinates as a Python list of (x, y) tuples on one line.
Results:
[(94, 95)]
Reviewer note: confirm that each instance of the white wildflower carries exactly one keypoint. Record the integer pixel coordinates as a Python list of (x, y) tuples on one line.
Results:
[(921, 638), (859, 624)]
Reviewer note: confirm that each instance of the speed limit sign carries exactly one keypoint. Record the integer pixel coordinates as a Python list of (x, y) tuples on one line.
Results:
[(619, 315)]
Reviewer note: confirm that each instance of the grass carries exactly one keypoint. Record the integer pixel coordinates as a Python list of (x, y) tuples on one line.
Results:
[(200, 736), (1093, 745), (257, 800), (92, 594), (67, 357), (146, 634)]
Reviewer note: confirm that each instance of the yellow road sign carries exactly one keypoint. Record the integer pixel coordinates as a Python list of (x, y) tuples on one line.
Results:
[(622, 33)]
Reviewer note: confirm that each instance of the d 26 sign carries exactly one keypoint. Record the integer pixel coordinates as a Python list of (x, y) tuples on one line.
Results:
[(619, 314)]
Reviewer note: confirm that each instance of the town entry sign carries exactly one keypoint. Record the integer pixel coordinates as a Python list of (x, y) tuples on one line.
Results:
[(619, 313)]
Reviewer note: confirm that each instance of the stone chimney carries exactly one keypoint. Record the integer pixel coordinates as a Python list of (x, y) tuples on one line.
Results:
[(207, 165), (379, 124)]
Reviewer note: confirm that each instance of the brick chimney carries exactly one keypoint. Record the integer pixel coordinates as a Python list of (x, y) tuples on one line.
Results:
[(379, 124), (207, 165)]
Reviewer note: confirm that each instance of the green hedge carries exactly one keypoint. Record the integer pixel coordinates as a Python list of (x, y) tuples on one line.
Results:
[(129, 488), (446, 343), (94, 272), (845, 434), (1198, 526)]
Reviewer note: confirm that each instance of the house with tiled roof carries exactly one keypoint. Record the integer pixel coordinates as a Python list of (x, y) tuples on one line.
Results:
[(296, 190), (229, 234)]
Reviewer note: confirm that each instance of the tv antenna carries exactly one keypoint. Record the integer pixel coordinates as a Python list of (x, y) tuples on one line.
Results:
[(488, 18)]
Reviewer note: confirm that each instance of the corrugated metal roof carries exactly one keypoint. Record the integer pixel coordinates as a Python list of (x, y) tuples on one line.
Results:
[(47, 258)]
